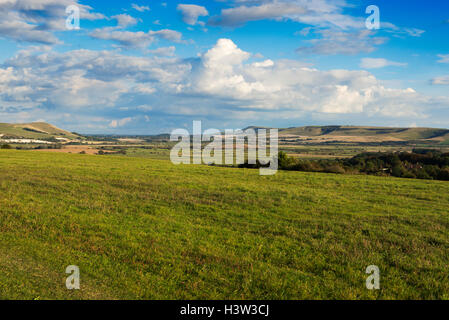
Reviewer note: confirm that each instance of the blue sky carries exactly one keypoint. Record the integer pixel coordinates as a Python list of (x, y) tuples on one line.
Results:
[(145, 67)]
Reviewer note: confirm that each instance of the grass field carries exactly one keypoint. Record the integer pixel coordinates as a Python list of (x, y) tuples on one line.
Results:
[(146, 229)]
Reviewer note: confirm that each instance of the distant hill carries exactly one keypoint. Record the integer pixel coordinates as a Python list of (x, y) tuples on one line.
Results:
[(35, 130), (360, 133)]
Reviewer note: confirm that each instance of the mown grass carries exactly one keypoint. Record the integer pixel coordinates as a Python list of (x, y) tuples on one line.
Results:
[(146, 229)]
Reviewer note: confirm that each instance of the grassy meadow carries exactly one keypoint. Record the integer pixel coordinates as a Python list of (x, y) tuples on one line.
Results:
[(143, 228)]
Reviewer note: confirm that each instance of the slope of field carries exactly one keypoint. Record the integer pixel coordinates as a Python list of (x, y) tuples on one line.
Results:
[(35, 130), (146, 229), (444, 139), (394, 134)]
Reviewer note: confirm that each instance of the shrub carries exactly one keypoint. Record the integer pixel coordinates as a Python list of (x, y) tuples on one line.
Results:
[(285, 162), (334, 168), (443, 174)]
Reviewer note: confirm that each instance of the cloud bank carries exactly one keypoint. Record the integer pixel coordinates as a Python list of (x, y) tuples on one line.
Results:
[(221, 83)]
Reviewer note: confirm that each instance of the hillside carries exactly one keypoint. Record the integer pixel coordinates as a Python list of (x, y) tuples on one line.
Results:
[(35, 130), (368, 133)]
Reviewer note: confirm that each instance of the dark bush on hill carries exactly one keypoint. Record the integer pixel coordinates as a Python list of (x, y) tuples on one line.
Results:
[(419, 164)]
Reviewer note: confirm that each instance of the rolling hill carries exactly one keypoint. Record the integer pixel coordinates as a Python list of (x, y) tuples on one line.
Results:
[(35, 130), (371, 133)]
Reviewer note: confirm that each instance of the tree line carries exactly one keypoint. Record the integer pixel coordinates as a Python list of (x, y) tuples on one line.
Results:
[(418, 164)]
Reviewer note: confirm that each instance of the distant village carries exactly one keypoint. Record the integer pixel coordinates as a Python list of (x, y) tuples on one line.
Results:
[(31, 141)]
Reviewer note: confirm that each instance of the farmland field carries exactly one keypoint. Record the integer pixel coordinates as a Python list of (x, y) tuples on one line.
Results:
[(142, 228)]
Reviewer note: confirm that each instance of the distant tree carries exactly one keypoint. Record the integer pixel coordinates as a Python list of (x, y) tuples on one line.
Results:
[(285, 162), (397, 171), (443, 174), (6, 146), (334, 168)]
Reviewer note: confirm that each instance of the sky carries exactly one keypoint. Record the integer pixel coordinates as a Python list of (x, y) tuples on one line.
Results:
[(148, 67)]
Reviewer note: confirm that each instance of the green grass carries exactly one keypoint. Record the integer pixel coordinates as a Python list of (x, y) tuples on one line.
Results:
[(146, 229), (155, 153)]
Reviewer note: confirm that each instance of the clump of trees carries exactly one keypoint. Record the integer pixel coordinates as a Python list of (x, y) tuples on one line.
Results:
[(49, 146), (419, 164), (112, 151), (5, 147)]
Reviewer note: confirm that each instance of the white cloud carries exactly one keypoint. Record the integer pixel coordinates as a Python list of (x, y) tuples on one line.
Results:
[(140, 8), (414, 32), (168, 34), (221, 83), (321, 13), (290, 86), (264, 64), (444, 80), (339, 42), (125, 20), (191, 13), (120, 123), (337, 31), (400, 32), (375, 63), (82, 78), (137, 39), (35, 21), (276, 10), (164, 51), (444, 58)]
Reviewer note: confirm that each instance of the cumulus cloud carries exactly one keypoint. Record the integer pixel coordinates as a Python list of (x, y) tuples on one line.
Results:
[(82, 78), (35, 21), (290, 86), (168, 34), (125, 20), (220, 83), (191, 13), (375, 63)]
